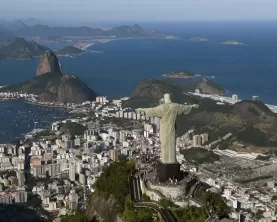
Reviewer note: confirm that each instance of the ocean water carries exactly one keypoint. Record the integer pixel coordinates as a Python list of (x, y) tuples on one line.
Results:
[(18, 118), (247, 70)]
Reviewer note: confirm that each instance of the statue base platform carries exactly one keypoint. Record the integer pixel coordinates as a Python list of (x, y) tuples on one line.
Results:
[(166, 171)]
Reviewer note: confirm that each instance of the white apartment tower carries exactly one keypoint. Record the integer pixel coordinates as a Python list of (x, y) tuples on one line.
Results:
[(20, 178), (197, 140), (72, 171), (234, 98), (102, 99)]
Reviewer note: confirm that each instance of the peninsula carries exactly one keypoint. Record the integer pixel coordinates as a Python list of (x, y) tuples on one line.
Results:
[(181, 74)]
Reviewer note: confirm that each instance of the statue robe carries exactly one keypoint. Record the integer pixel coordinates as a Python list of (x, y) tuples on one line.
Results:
[(168, 114)]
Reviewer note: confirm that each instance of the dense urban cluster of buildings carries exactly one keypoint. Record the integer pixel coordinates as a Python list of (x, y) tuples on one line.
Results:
[(70, 164), (16, 95), (224, 99), (67, 166)]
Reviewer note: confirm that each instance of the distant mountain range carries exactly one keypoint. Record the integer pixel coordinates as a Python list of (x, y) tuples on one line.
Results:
[(28, 29), (20, 49)]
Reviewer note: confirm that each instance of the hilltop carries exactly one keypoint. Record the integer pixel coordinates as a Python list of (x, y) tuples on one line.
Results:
[(52, 85), (49, 63), (150, 91), (207, 86), (69, 50), (20, 49)]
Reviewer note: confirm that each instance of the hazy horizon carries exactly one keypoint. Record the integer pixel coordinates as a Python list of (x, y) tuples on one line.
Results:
[(111, 11)]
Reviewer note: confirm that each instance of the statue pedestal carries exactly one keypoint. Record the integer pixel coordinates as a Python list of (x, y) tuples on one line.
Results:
[(168, 170)]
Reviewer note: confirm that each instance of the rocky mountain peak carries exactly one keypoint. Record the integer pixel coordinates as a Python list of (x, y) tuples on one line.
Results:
[(49, 63)]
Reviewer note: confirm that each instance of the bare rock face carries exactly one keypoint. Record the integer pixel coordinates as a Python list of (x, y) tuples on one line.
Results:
[(49, 63), (51, 85)]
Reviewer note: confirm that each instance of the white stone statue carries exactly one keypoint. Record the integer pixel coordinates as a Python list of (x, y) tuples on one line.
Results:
[(168, 113)]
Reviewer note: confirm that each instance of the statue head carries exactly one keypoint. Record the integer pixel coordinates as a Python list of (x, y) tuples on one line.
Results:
[(167, 98)]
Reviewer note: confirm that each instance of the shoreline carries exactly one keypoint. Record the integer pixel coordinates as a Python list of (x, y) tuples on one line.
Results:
[(39, 103), (227, 99), (55, 108), (71, 110), (218, 98)]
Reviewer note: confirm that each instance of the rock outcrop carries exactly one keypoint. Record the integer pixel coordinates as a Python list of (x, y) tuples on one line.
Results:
[(49, 63), (102, 208), (52, 86)]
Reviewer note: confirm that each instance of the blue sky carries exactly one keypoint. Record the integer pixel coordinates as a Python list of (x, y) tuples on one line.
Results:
[(140, 10)]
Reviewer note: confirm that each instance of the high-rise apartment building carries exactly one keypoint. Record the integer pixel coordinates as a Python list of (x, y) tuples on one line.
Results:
[(113, 155), (20, 178), (197, 140), (72, 171)]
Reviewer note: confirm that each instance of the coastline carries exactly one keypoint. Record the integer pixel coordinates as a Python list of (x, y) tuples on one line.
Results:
[(27, 117), (53, 105), (74, 108), (229, 100)]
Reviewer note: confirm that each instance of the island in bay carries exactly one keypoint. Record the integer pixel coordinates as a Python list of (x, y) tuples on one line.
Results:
[(181, 74), (199, 39), (232, 42)]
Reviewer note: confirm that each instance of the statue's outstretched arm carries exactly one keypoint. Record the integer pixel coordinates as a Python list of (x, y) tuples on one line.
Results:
[(185, 109), (151, 112)]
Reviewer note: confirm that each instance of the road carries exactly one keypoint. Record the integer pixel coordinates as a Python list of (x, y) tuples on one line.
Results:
[(136, 196), (212, 217)]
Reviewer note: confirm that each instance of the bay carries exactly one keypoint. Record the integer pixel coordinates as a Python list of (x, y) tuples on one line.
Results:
[(247, 70), (18, 118)]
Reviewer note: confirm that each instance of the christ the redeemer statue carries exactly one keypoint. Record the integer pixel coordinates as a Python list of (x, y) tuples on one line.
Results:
[(167, 113)]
